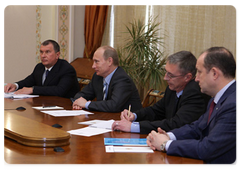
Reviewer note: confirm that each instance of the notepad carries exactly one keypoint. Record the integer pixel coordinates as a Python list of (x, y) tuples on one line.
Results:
[(126, 141)]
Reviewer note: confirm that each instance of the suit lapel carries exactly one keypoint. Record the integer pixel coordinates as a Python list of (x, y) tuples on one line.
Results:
[(230, 90)]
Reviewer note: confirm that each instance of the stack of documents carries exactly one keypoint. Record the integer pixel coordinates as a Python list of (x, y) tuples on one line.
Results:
[(18, 96), (127, 145), (96, 127)]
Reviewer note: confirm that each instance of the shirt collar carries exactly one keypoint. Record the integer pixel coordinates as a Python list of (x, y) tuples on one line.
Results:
[(220, 93), (179, 94), (109, 77), (49, 69)]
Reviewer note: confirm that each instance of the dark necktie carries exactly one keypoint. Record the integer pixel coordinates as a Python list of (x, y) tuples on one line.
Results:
[(47, 71), (104, 90), (46, 74), (211, 110), (176, 103)]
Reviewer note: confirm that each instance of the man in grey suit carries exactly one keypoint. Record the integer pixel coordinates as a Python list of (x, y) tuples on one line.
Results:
[(113, 89), (51, 77), (212, 137)]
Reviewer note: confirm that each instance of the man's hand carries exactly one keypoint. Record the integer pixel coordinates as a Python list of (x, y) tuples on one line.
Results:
[(123, 125), (125, 114), (79, 103), (9, 88), (154, 139), (25, 90)]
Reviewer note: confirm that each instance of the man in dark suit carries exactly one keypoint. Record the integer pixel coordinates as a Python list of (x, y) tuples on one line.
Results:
[(212, 137), (182, 103), (51, 77), (113, 89)]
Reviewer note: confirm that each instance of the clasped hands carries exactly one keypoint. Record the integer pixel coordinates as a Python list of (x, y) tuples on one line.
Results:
[(155, 139)]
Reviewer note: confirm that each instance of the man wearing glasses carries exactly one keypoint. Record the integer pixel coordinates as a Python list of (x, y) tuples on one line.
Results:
[(182, 103)]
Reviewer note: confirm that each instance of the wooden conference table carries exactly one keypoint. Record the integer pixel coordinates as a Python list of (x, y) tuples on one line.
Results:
[(81, 150)]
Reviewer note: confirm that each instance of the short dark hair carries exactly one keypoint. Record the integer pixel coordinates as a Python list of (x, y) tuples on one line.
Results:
[(221, 58), (185, 60), (56, 46), (110, 52)]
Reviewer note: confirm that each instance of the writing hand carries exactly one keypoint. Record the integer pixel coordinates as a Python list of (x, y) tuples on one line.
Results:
[(123, 125), (128, 116)]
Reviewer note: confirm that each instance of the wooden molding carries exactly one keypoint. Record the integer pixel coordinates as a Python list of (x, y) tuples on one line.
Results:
[(32, 133)]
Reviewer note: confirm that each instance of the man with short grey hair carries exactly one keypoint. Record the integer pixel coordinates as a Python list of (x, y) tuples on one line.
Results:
[(182, 103)]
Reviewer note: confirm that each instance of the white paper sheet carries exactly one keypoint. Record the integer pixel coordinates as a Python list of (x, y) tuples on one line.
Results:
[(61, 113), (103, 124), (91, 122), (89, 131), (47, 107), (96, 127), (144, 149)]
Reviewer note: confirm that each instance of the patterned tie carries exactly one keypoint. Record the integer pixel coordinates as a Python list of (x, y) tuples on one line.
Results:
[(104, 90), (211, 110)]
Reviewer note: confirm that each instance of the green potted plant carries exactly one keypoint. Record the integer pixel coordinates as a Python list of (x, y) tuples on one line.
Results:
[(141, 58)]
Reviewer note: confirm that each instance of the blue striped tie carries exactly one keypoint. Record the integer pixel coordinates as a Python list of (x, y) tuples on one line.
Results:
[(104, 89)]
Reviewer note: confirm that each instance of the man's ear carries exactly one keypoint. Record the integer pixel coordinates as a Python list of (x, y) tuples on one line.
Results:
[(58, 54), (110, 60), (188, 77), (215, 72)]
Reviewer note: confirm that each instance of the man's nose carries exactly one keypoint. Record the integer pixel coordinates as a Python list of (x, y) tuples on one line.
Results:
[(196, 79), (166, 77)]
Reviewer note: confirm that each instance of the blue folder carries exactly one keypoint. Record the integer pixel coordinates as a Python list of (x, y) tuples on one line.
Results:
[(125, 141)]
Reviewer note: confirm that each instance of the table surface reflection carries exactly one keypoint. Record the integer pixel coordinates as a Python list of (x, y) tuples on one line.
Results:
[(82, 150)]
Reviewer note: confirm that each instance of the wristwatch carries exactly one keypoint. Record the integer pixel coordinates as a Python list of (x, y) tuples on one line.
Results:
[(162, 146)]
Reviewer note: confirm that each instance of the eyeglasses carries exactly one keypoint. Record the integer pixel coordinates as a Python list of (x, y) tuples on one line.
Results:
[(171, 76)]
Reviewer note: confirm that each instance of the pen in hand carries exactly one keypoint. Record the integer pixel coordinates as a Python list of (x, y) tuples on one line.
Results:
[(129, 109)]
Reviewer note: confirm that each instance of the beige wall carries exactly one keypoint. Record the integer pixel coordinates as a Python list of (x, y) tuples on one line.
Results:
[(20, 36), (19, 42)]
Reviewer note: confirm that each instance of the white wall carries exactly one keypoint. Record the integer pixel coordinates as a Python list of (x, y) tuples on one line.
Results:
[(20, 37)]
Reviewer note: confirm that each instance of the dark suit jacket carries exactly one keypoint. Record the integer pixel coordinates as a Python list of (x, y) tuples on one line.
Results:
[(214, 142), (164, 114), (121, 93), (61, 80)]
